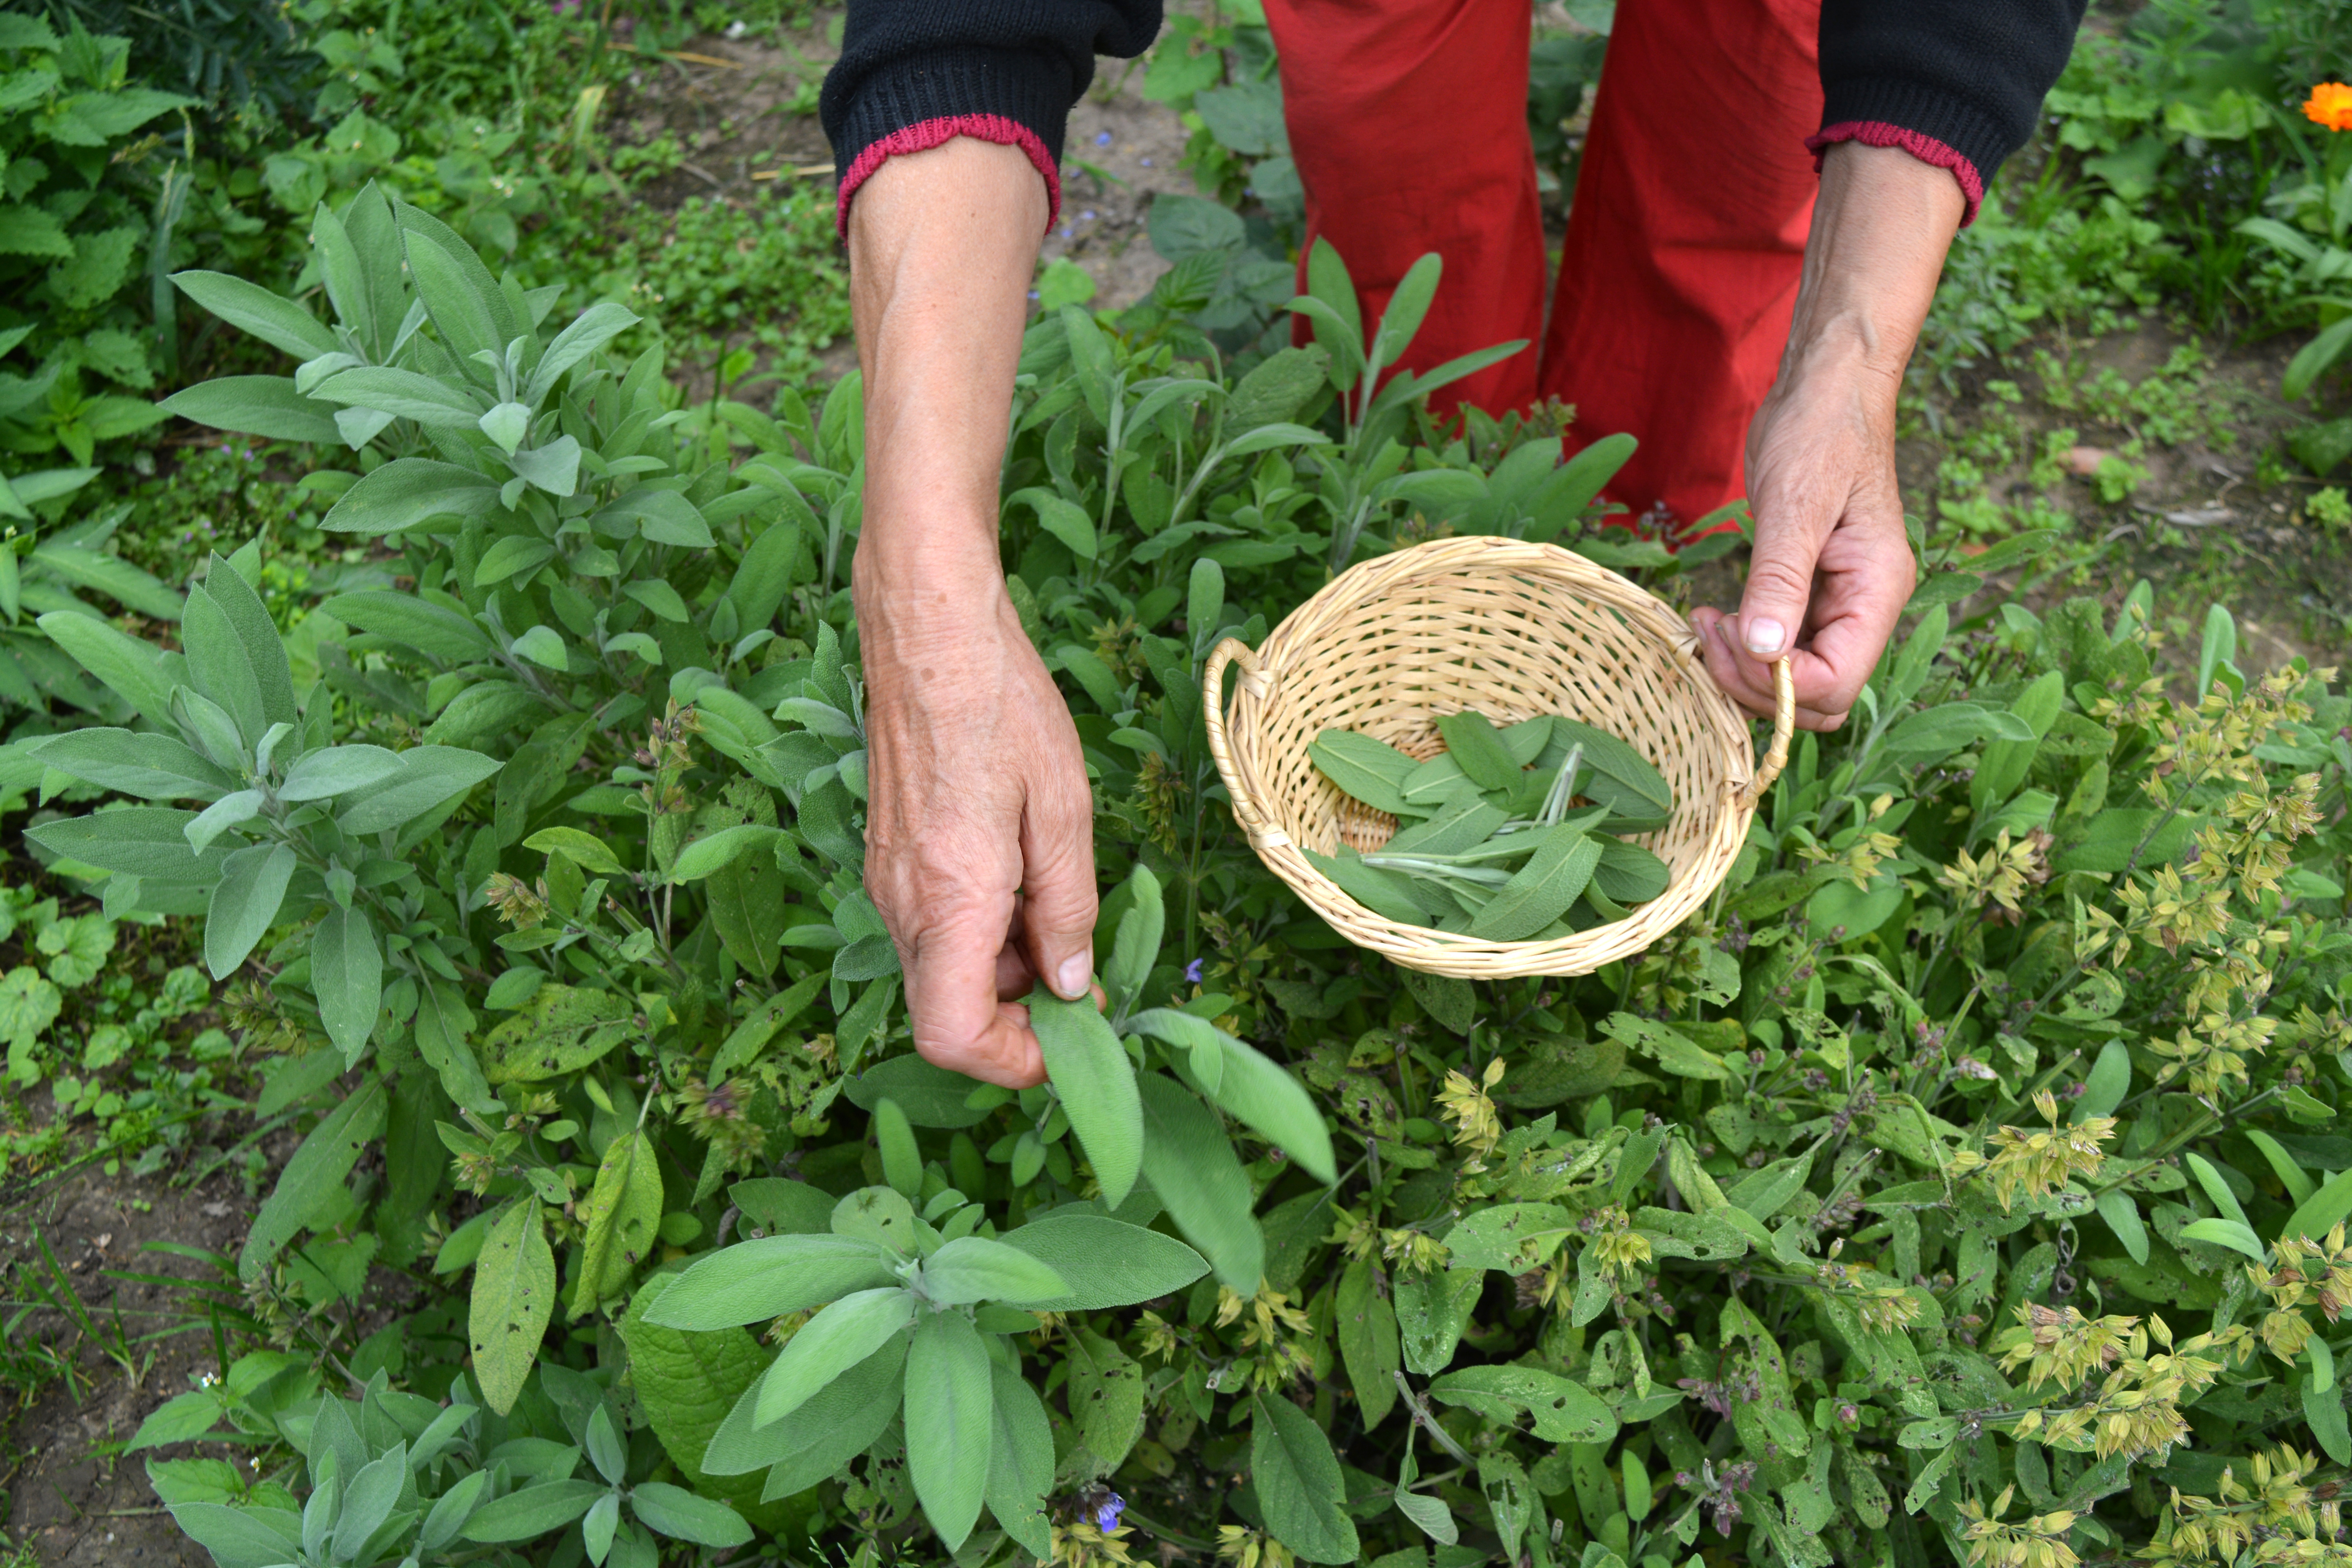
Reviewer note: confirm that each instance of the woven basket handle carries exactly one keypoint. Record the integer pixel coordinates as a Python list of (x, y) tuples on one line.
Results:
[(1784, 724), (1259, 683)]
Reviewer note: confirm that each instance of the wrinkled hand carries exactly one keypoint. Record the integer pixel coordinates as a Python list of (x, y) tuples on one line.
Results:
[(980, 847), (1831, 569)]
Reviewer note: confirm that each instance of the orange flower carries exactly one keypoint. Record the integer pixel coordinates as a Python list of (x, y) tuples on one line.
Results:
[(2330, 104)]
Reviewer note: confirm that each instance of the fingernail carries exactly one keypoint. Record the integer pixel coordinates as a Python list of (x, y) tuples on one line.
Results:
[(1764, 636), (1076, 972)]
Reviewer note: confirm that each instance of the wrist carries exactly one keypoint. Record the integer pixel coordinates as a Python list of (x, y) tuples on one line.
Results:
[(934, 574)]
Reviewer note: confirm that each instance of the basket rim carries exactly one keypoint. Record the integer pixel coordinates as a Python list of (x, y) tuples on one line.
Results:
[(1641, 617)]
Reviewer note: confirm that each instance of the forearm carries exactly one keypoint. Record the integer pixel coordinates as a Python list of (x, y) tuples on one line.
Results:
[(943, 246), (1880, 232)]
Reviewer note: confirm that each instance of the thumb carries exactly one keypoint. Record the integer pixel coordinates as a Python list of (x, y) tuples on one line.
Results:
[(1058, 903), (1788, 534)]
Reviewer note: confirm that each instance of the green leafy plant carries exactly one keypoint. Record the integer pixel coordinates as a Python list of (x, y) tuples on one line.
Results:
[(1788, 1233), (80, 224)]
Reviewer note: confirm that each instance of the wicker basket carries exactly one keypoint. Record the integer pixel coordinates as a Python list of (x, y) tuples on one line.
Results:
[(1514, 630)]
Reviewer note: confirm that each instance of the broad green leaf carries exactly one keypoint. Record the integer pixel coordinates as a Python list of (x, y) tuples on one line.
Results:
[(1095, 1084), (1135, 946), (593, 328), (2324, 1410), (1628, 873), (1541, 891), (1431, 1311), (347, 977), (517, 556), (950, 1395), (1408, 307), (2216, 1188), (220, 666), (146, 841), (2109, 1081), (2233, 1234), (337, 769), (139, 672), (514, 1294), (1384, 894), (622, 1213), (263, 405), (1019, 1462), (1196, 1176), (755, 1281), (1765, 1193), (1471, 741), (279, 322), (409, 492), (591, 854), (241, 1537), (1106, 1397), (663, 516), (1367, 770), (181, 1419), (1299, 1488), (310, 1179), (1366, 1326), (2291, 1176), (679, 1514), (717, 850), (832, 1427), (533, 1510), (432, 629), (1512, 1237), (403, 395), (687, 1382), (152, 766), (829, 1344), (930, 1096), (2122, 1215), (1105, 1262), (970, 1269), (559, 1030), (429, 776), (244, 904), (1565, 1410)]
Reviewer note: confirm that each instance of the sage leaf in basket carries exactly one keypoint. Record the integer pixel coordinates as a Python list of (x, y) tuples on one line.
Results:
[(1383, 892), (1463, 823), (1541, 890), (1370, 771), (1472, 741), (1618, 775), (1628, 874)]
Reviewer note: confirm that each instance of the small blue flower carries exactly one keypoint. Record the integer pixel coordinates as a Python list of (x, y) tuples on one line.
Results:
[(1192, 972), (1106, 1516), (1102, 137), (1088, 216), (1145, 161)]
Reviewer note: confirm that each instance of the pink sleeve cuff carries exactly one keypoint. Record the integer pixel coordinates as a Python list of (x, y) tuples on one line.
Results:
[(1927, 149), (924, 135)]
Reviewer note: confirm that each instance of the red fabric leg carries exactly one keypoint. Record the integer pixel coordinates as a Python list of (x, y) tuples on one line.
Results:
[(1408, 118), (1686, 239)]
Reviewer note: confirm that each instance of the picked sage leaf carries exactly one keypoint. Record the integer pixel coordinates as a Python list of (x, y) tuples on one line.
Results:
[(1552, 879)]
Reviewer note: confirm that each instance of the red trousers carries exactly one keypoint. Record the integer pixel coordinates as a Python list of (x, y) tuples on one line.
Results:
[(1408, 118)]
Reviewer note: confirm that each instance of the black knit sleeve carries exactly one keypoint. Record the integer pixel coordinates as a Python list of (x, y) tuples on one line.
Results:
[(914, 73), (1958, 83)]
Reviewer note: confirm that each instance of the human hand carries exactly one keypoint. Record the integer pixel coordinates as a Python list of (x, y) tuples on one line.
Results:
[(979, 826), (1832, 568), (979, 836)]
